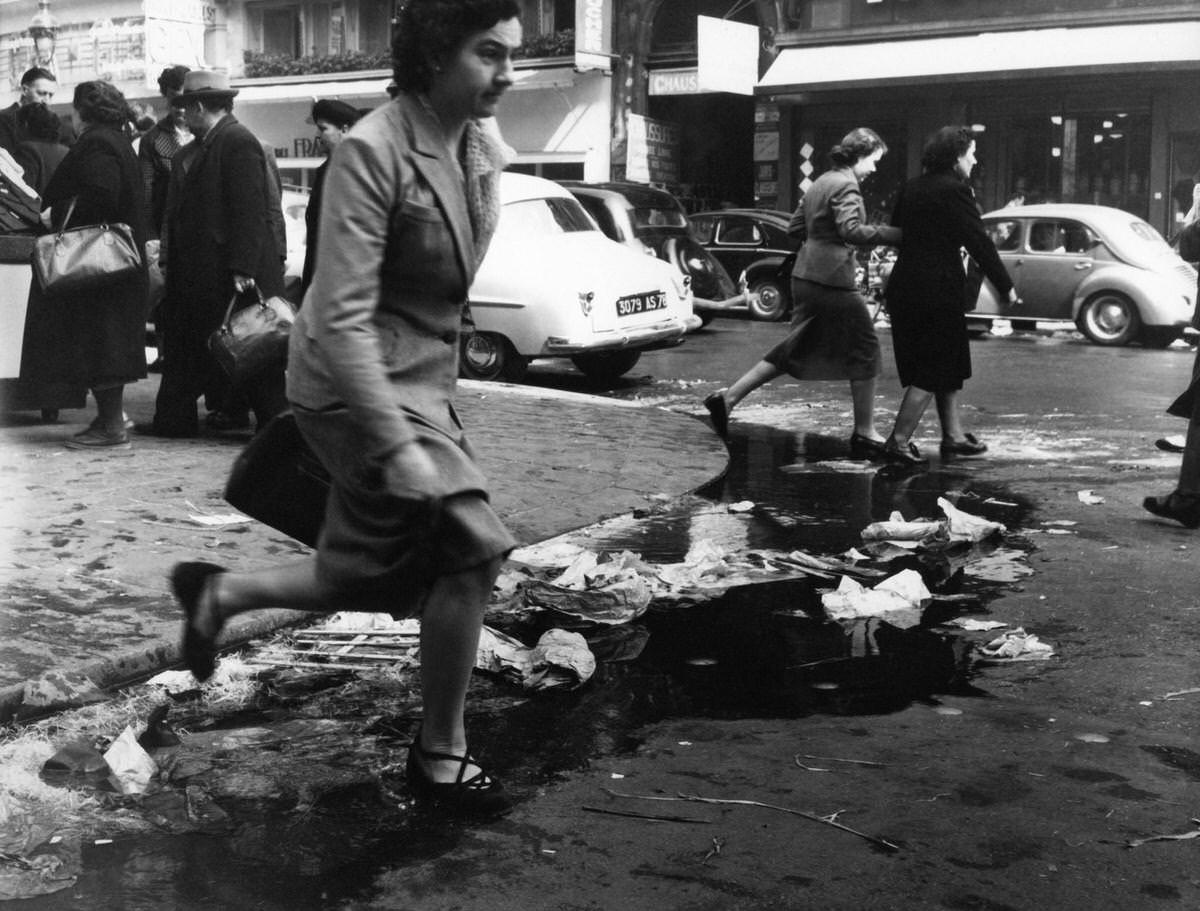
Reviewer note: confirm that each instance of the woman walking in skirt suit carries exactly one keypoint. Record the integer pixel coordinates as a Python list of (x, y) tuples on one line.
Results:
[(832, 336)]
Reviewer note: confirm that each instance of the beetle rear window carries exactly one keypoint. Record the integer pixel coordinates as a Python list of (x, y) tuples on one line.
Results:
[(658, 218), (551, 215)]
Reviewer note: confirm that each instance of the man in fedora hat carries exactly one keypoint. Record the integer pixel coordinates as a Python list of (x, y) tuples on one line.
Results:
[(218, 244)]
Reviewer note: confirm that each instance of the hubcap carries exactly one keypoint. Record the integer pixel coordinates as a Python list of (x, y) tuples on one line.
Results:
[(481, 352)]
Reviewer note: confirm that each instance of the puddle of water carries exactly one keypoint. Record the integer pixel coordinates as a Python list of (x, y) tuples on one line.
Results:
[(757, 651)]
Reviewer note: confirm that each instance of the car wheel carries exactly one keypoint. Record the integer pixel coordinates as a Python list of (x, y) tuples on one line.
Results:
[(603, 367), (489, 356), (1109, 318), (767, 301)]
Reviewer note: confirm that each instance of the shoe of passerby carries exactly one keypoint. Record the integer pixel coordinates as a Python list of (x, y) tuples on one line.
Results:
[(965, 448), (96, 438), (1169, 444), (189, 581), (906, 454), (480, 796), (718, 410), (1182, 507), (226, 421), (862, 447)]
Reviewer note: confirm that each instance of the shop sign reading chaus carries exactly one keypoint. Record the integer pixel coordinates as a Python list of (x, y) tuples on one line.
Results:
[(652, 151), (593, 34)]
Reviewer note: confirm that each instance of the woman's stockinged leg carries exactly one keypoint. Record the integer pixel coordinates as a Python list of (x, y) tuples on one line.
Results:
[(450, 625), (110, 408), (862, 395), (948, 415), (912, 408), (292, 586), (758, 375)]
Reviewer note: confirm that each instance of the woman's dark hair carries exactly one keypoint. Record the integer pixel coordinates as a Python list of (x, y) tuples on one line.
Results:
[(39, 122), (171, 79), (101, 102), (858, 143), (428, 31), (945, 147)]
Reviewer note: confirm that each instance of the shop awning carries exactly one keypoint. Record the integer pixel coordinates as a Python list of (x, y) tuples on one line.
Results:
[(1142, 47)]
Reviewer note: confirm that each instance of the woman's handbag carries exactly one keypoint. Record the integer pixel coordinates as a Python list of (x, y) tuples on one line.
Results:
[(80, 259), (254, 338), (279, 481)]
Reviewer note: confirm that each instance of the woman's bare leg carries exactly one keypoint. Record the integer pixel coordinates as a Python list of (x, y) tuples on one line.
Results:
[(948, 415)]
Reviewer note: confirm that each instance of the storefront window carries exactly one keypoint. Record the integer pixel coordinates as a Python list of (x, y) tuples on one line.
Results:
[(1101, 159)]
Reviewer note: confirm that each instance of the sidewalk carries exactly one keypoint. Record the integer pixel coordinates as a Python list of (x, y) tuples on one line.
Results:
[(86, 540)]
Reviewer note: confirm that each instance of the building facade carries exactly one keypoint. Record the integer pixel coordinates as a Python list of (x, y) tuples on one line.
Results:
[(1088, 101)]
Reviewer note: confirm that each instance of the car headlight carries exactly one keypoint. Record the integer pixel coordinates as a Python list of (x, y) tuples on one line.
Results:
[(585, 301)]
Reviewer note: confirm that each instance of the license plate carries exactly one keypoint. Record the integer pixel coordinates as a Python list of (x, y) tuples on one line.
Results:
[(641, 303)]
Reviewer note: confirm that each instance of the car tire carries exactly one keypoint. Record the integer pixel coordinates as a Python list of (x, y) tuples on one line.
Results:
[(604, 367), (1109, 318), (767, 301), (490, 356)]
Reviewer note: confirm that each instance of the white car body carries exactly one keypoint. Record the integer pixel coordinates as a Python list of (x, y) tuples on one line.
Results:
[(553, 285)]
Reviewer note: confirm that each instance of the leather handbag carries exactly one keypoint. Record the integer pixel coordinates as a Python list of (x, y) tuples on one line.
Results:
[(278, 480), (84, 258), (254, 338)]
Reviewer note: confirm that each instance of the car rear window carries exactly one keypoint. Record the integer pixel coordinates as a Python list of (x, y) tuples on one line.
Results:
[(1145, 233), (551, 215), (658, 218)]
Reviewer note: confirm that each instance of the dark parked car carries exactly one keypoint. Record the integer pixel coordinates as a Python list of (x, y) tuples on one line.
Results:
[(653, 221), (751, 244)]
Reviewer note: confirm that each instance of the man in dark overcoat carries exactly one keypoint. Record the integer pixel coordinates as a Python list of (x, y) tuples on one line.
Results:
[(218, 244)]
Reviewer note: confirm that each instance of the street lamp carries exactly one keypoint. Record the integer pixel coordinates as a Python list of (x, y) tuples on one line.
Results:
[(42, 28)]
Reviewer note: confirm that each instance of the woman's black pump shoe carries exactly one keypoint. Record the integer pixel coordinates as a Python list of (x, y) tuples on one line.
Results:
[(862, 447), (481, 795), (718, 409), (1183, 508), (199, 651), (966, 447), (908, 454)]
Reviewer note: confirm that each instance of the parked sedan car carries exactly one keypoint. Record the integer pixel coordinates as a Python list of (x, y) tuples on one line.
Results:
[(751, 244), (1105, 270), (652, 221), (552, 285)]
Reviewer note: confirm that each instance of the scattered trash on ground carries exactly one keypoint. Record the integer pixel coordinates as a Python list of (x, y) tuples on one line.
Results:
[(1183, 836), (560, 659), (1089, 498), (1016, 645), (971, 625), (899, 598)]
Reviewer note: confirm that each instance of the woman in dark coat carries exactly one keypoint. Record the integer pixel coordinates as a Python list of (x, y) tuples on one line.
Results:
[(98, 337), (333, 120), (40, 155), (927, 290), (411, 204), (832, 336)]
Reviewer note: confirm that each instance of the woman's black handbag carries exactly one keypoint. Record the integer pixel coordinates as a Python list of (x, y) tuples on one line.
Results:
[(84, 258), (279, 481), (253, 339)]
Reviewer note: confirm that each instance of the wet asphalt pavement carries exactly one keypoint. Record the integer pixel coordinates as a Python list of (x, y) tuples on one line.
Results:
[(1004, 787)]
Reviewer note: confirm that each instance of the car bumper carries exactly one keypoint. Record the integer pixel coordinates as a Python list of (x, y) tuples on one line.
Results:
[(656, 335), (739, 303)]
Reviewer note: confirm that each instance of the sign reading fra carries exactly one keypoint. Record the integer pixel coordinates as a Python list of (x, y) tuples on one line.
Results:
[(593, 34)]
